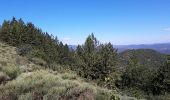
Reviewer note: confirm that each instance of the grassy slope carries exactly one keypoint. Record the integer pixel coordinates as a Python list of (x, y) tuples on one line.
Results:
[(21, 79), (49, 85)]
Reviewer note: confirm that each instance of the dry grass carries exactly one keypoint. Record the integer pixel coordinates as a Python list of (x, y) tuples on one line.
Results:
[(49, 86), (7, 53), (10, 61)]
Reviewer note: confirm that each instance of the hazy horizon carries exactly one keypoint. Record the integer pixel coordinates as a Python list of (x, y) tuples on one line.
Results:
[(117, 21), (156, 43)]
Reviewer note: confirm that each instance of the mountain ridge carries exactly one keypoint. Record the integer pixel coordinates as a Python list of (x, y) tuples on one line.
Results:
[(160, 47)]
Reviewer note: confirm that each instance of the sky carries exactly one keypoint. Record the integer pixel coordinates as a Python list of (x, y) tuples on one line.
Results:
[(120, 22)]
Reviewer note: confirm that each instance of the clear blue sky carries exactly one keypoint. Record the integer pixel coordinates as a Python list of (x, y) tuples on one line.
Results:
[(115, 21)]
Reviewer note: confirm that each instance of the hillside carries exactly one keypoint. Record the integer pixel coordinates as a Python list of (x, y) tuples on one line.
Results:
[(145, 57), (36, 65), (23, 80)]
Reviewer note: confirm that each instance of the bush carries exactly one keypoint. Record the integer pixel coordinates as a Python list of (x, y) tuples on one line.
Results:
[(35, 53), (23, 50), (56, 67), (68, 76), (11, 70), (27, 96), (106, 95), (38, 61)]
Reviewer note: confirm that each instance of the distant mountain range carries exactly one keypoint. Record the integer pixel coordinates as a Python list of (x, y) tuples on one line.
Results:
[(160, 47)]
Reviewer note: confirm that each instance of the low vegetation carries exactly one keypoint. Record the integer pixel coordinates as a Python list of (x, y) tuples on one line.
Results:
[(49, 85)]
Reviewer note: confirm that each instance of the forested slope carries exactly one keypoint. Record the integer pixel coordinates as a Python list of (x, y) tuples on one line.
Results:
[(22, 79), (145, 57)]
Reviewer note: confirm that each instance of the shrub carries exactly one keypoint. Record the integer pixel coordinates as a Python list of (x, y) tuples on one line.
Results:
[(27, 96), (11, 70), (56, 67), (38, 61), (23, 50), (35, 53), (103, 94), (68, 76)]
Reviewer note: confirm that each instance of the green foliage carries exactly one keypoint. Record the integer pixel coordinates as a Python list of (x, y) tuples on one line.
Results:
[(95, 61), (142, 81), (162, 80), (137, 79)]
